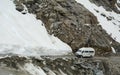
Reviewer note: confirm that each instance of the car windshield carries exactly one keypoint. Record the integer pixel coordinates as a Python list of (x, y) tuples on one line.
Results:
[(91, 51)]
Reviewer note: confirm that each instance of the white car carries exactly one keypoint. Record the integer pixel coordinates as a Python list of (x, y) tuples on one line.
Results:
[(85, 52)]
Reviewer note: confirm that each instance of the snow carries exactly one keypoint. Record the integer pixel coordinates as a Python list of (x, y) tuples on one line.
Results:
[(33, 70), (24, 34), (113, 50), (36, 70), (117, 7), (61, 72), (51, 73), (118, 1), (113, 26)]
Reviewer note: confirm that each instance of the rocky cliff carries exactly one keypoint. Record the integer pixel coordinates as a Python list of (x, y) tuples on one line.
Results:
[(72, 22)]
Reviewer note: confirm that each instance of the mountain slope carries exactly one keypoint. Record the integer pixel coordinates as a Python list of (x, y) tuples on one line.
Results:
[(24, 34), (72, 22), (109, 20)]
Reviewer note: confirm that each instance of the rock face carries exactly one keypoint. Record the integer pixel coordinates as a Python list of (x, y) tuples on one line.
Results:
[(72, 23)]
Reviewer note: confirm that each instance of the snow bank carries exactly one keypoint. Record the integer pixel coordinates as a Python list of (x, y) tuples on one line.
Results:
[(24, 34), (111, 26)]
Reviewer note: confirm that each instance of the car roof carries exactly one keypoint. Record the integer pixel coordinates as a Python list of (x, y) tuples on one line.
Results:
[(87, 48)]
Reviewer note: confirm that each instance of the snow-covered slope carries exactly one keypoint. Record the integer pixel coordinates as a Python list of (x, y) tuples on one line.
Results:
[(24, 34), (111, 26)]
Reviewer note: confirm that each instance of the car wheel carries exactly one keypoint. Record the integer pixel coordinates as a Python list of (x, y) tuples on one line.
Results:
[(79, 56), (91, 56), (82, 56)]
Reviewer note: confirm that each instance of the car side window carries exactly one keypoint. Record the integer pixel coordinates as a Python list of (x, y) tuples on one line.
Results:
[(82, 51), (86, 51)]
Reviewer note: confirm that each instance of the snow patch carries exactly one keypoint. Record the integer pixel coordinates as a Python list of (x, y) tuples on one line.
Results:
[(33, 70), (118, 1), (51, 72), (61, 72), (113, 50), (117, 7)]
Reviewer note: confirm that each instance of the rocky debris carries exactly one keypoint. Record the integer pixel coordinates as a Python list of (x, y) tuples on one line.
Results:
[(13, 61), (68, 66), (72, 23), (109, 5), (9, 71), (19, 6)]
